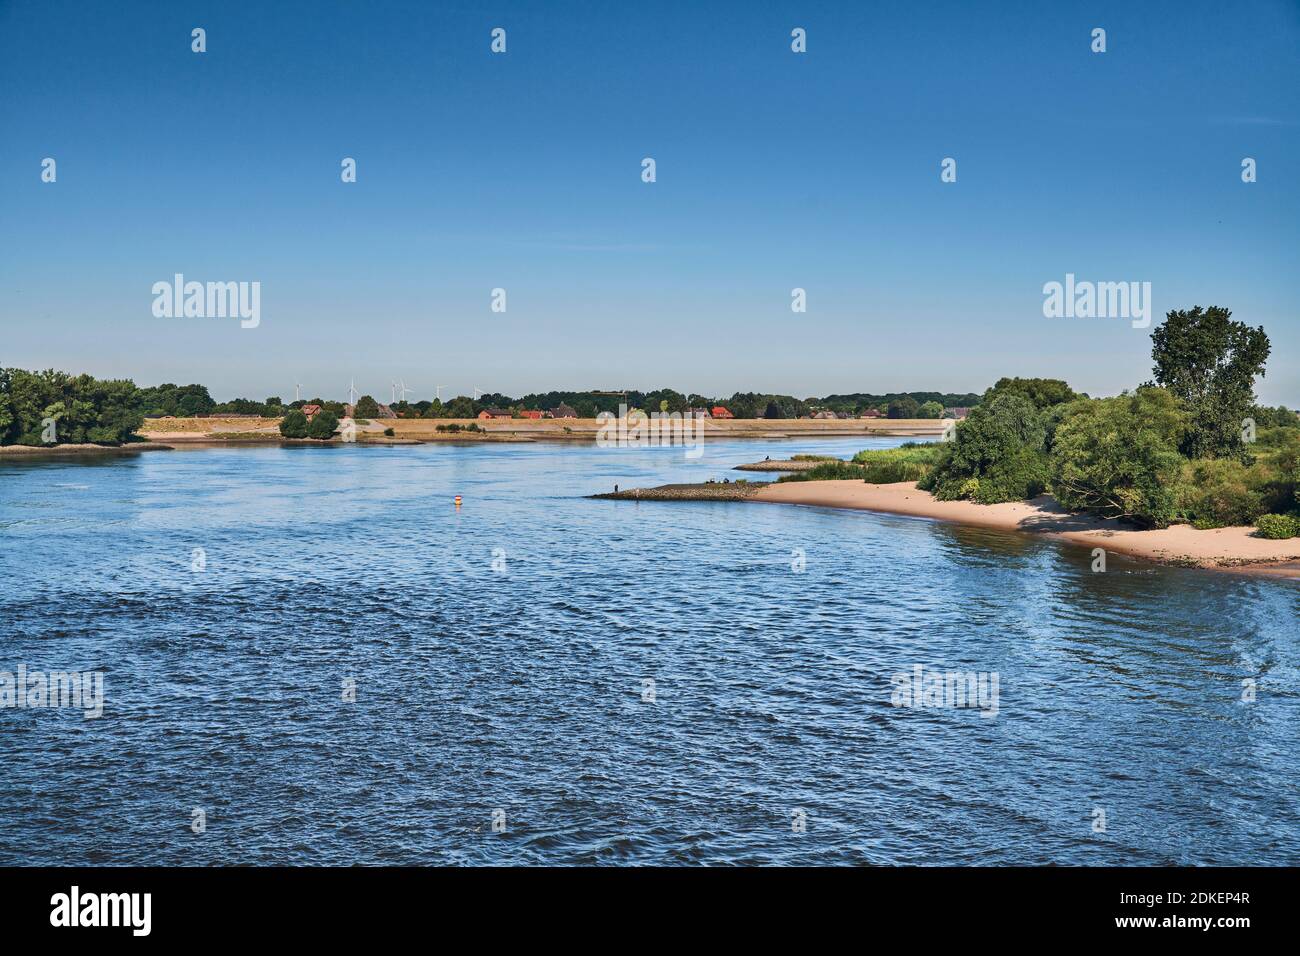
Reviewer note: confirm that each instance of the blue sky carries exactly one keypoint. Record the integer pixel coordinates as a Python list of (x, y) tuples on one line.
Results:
[(522, 171)]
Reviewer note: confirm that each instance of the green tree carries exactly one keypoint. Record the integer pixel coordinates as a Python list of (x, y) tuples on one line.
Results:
[(930, 410), (294, 424), (81, 408), (997, 454), (462, 406), (367, 407), (1210, 363), (1043, 392), (1118, 457), (322, 425), (773, 410), (905, 407)]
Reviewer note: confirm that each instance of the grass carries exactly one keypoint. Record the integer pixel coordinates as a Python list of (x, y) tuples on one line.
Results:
[(879, 466)]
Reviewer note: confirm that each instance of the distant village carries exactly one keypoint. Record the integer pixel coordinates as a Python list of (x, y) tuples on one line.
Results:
[(194, 401)]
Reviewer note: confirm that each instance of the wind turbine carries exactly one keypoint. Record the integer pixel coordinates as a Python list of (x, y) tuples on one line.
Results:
[(401, 387), (352, 392), (297, 388), (393, 399), (477, 392), (437, 391)]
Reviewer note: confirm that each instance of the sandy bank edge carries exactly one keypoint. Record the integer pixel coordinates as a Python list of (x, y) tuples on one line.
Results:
[(1222, 548)]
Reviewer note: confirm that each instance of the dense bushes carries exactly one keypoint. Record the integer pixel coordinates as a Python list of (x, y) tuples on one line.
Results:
[(40, 408), (1118, 457), (1215, 493), (1278, 526), (322, 425), (294, 424), (998, 454)]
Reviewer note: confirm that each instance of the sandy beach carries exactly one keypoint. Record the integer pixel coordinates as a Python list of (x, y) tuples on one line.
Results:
[(1180, 544)]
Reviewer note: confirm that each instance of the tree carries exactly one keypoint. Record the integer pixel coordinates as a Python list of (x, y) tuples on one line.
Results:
[(38, 408), (294, 424), (1210, 363), (1043, 392), (930, 410), (322, 425), (462, 406), (367, 407), (1118, 457), (773, 410), (997, 454), (905, 407)]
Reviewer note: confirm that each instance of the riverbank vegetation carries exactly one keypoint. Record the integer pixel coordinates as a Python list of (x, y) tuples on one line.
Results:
[(50, 407), (1190, 446)]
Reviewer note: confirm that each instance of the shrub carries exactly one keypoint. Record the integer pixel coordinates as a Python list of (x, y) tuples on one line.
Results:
[(389, 433), (1217, 493), (294, 424), (1277, 526), (322, 426), (1118, 457), (1023, 474), (997, 454)]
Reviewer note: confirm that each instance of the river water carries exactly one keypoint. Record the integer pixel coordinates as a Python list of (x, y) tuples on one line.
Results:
[(312, 657)]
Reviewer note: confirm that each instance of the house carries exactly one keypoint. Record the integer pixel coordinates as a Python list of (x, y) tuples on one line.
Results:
[(959, 412), (696, 413), (824, 414), (720, 412), (494, 413), (532, 414), (311, 411), (563, 411), (870, 413)]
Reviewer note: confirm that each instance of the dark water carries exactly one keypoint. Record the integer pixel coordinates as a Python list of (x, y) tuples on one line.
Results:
[(521, 689)]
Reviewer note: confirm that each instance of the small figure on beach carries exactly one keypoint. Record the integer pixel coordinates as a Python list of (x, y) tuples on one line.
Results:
[(616, 489)]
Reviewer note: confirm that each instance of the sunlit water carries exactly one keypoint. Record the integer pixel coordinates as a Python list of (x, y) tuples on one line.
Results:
[(519, 686)]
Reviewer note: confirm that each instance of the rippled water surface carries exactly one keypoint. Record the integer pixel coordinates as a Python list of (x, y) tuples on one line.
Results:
[(519, 687)]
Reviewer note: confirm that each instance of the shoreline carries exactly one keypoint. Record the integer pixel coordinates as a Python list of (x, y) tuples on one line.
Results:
[(1225, 549), (22, 452), (250, 430)]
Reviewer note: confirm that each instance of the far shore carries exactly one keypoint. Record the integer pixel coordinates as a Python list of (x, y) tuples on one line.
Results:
[(266, 430)]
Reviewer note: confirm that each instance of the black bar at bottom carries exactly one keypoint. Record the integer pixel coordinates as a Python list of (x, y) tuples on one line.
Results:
[(337, 905)]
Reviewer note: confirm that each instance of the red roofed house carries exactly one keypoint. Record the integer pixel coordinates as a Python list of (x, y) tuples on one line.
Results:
[(532, 413), (310, 411), (720, 412), (871, 413), (494, 413)]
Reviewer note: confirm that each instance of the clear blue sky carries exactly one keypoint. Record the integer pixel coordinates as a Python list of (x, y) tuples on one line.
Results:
[(522, 170)]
